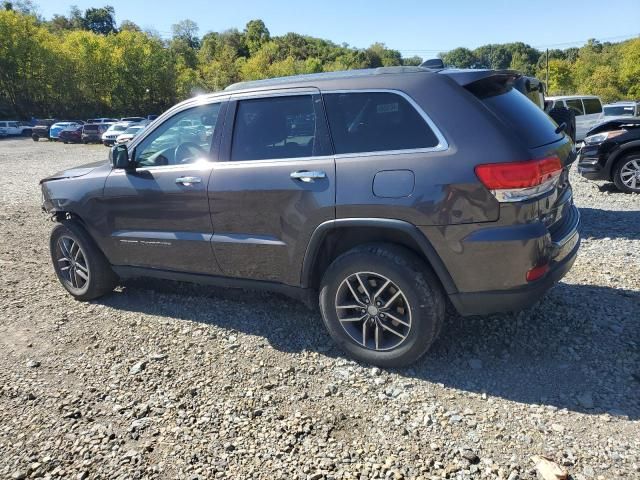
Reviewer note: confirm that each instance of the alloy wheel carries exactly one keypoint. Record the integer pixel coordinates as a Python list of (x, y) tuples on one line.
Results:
[(373, 311), (72, 263), (630, 174)]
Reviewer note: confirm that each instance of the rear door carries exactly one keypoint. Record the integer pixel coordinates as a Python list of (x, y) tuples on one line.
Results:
[(275, 185), (158, 215)]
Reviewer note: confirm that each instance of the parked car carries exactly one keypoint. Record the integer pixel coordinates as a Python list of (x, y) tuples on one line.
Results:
[(71, 134), (58, 127), (151, 118), (132, 119), (92, 132), (610, 152), (15, 127), (129, 134), (102, 120), (623, 110), (41, 129), (394, 203), (111, 134), (3, 132), (587, 108)]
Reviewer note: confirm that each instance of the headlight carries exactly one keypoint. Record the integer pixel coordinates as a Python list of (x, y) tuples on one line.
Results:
[(601, 137)]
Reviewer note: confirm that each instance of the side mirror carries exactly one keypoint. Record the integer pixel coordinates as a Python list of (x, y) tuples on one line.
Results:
[(119, 157)]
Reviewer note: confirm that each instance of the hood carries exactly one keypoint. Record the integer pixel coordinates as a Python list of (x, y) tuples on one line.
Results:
[(615, 124), (76, 171)]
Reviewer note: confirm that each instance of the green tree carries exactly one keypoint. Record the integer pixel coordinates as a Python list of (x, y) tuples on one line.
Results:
[(100, 20), (256, 34), (460, 58)]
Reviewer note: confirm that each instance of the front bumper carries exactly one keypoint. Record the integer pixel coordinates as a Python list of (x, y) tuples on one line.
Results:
[(592, 163)]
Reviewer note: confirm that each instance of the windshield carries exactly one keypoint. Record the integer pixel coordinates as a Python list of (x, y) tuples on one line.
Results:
[(618, 111), (117, 128), (132, 130)]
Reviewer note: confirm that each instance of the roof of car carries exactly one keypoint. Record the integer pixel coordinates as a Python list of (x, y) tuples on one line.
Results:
[(622, 102), (324, 76)]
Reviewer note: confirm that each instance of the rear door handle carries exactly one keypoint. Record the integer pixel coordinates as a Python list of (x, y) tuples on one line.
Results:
[(307, 176), (187, 181)]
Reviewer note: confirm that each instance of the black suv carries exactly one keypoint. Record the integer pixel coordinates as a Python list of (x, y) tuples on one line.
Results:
[(611, 152), (385, 192)]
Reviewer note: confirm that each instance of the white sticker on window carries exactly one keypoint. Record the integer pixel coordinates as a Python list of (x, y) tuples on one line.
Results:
[(387, 107)]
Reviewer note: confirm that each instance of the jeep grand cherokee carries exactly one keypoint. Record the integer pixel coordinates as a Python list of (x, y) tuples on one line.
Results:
[(380, 192)]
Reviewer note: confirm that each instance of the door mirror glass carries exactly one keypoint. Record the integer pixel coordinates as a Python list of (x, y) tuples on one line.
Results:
[(119, 156)]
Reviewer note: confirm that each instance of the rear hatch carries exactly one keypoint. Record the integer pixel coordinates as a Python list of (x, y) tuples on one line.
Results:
[(545, 143)]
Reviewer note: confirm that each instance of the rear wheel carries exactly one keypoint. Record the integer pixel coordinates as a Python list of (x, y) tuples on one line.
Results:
[(81, 267), (35, 137), (626, 174), (382, 305)]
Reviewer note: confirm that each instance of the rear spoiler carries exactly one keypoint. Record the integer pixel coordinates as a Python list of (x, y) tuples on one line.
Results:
[(466, 77)]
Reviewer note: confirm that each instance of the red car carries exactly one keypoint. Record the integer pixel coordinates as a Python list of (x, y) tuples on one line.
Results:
[(71, 135)]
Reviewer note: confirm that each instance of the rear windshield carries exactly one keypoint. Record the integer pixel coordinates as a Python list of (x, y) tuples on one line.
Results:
[(523, 116), (91, 128), (619, 111)]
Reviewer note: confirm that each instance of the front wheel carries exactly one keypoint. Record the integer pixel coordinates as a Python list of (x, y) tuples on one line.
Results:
[(626, 174), (35, 138), (382, 305), (81, 267)]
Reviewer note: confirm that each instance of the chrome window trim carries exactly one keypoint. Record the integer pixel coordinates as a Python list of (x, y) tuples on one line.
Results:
[(260, 161), (442, 141), (284, 92)]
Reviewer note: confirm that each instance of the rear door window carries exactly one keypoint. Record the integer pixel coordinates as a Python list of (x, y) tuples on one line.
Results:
[(363, 122), (592, 105), (575, 104), (274, 127)]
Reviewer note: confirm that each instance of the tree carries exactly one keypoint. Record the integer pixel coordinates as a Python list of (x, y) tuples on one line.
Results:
[(460, 58), (256, 34), (128, 25), (100, 20), (187, 30)]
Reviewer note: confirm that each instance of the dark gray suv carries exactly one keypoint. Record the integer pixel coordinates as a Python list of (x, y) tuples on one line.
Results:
[(384, 192)]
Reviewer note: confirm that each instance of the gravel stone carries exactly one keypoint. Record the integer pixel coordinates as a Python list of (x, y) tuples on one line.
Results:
[(231, 384)]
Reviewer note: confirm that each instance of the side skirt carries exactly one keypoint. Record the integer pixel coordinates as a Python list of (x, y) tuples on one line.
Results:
[(305, 295)]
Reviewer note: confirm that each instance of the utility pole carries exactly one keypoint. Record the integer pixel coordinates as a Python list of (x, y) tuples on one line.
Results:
[(547, 82)]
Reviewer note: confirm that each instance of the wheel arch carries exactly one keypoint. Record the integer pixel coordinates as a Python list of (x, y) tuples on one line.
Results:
[(620, 153), (334, 237)]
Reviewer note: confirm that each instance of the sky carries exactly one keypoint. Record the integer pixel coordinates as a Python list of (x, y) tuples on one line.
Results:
[(414, 27)]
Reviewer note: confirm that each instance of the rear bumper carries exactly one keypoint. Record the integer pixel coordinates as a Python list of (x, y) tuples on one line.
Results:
[(559, 249), (513, 300)]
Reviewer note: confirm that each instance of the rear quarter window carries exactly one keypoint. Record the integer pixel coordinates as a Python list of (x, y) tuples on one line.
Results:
[(363, 122), (592, 105), (523, 117)]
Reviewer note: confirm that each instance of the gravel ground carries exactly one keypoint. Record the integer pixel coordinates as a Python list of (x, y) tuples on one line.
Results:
[(168, 380)]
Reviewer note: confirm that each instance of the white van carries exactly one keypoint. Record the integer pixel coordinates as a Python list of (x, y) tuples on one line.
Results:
[(588, 110)]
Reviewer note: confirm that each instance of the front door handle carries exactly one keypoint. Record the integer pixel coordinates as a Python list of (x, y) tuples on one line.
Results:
[(187, 181), (307, 176)]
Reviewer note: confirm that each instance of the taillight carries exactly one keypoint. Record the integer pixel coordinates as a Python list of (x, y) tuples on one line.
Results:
[(537, 272), (517, 181)]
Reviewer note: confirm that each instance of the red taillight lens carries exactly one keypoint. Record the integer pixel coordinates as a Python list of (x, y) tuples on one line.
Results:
[(537, 272), (531, 173)]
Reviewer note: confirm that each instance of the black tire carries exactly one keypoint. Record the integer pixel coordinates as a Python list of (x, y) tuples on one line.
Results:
[(35, 137), (565, 115), (26, 133), (101, 278), (425, 302), (631, 161)]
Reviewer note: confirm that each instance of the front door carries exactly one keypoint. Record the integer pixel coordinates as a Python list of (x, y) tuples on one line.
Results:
[(274, 187), (158, 215)]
